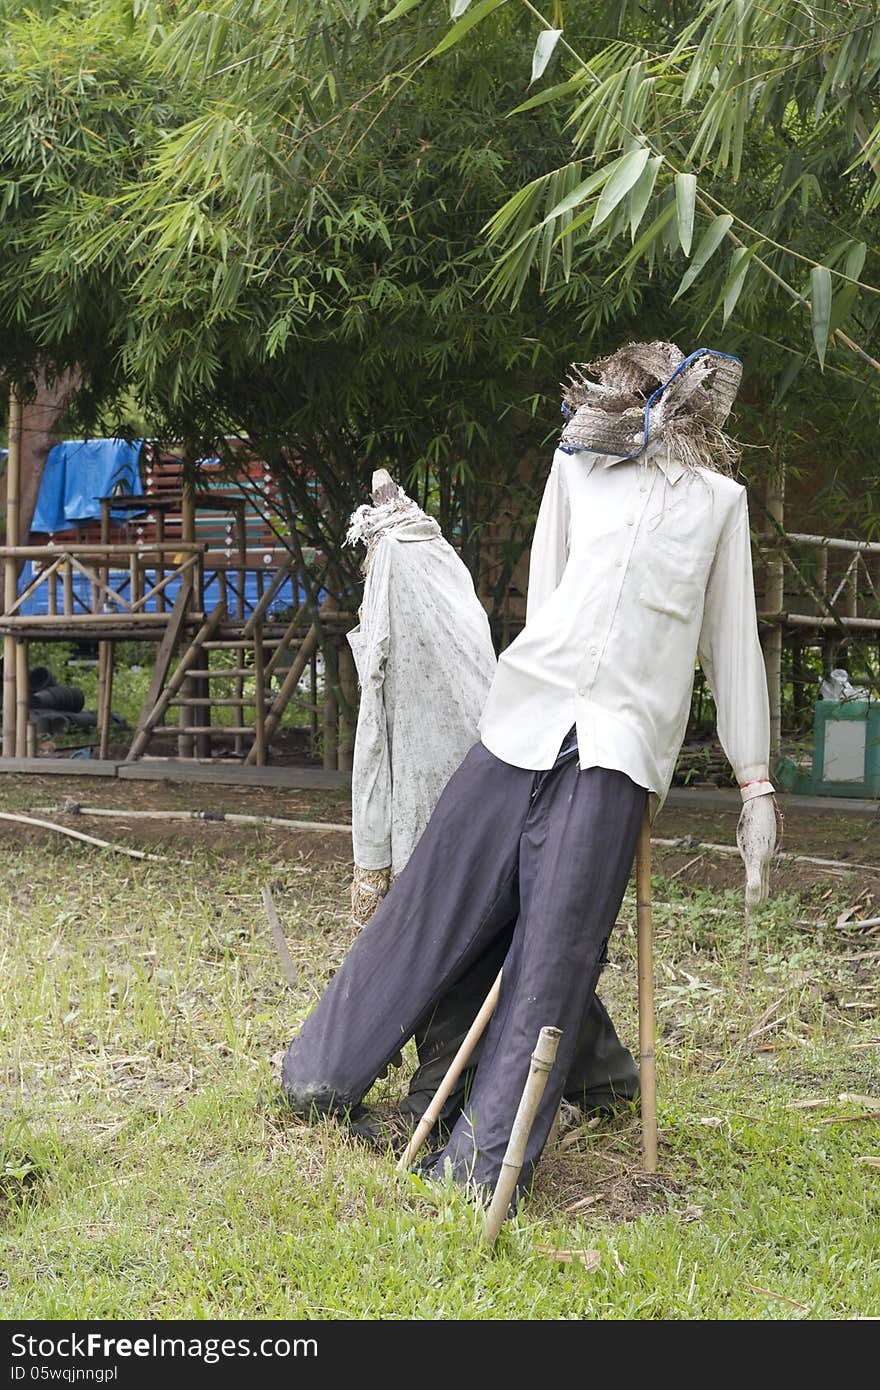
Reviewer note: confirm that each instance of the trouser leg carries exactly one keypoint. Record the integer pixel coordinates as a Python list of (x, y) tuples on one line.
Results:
[(603, 1070), (576, 852), (458, 889)]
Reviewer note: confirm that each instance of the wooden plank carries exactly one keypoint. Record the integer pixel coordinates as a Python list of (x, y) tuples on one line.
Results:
[(234, 775), (60, 767), (163, 656)]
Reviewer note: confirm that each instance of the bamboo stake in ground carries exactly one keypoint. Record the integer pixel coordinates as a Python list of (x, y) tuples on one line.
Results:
[(457, 1066), (647, 1067), (543, 1059)]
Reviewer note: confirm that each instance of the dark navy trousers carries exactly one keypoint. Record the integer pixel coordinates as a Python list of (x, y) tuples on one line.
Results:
[(549, 852)]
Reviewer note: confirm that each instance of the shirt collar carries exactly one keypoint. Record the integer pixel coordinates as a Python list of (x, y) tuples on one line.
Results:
[(670, 467)]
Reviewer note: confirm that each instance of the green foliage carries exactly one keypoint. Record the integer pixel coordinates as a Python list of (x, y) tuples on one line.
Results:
[(765, 115)]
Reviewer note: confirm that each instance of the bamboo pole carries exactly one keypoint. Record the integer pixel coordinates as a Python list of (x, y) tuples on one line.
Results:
[(94, 551), (67, 572), (647, 1063), (22, 700), (259, 699), (158, 570), (543, 1059), (331, 723), (105, 705), (447, 1085), (10, 575)]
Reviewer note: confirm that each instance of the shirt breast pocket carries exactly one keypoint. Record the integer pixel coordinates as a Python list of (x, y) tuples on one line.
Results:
[(675, 581), (674, 597)]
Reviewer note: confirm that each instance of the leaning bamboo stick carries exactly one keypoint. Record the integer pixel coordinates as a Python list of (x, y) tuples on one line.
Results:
[(647, 1064), (447, 1085), (543, 1059)]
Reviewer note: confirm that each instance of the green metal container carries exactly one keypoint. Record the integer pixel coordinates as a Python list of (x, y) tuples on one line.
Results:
[(846, 748)]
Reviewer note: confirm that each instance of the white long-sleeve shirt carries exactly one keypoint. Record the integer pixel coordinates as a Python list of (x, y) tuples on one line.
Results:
[(425, 662), (636, 568)]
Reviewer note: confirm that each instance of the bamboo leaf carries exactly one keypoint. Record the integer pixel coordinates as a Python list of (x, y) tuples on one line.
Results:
[(468, 21), (739, 265), (646, 242), (855, 260), (457, 8), (577, 195), (711, 240), (820, 293), (685, 200), (547, 41), (627, 171), (640, 196), (549, 94), (401, 8)]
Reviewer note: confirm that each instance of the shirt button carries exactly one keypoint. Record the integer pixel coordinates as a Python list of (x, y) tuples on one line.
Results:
[(594, 651), (630, 521), (582, 690), (618, 563), (644, 487)]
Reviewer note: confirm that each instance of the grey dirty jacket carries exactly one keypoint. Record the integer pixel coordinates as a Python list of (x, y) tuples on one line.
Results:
[(425, 662)]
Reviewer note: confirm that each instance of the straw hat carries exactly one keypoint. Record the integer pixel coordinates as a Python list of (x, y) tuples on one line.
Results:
[(650, 394)]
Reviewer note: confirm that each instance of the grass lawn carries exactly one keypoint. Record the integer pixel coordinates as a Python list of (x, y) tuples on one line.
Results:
[(142, 1174)]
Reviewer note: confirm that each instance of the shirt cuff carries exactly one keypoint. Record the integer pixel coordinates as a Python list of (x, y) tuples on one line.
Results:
[(760, 786), (372, 854)]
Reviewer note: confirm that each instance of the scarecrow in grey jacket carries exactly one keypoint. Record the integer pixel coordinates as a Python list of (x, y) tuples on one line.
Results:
[(425, 662), (640, 563)]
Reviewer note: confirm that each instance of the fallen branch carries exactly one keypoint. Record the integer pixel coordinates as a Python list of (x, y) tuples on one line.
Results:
[(78, 835)]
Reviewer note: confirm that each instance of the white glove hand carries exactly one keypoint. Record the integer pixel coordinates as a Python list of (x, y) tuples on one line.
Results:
[(756, 837)]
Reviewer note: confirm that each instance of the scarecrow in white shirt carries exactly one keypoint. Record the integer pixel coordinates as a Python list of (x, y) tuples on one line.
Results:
[(640, 562)]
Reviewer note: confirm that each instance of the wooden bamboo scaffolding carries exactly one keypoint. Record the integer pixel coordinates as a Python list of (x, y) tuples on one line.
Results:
[(177, 680)]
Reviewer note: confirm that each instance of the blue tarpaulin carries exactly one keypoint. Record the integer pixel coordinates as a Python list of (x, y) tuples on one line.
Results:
[(78, 474)]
